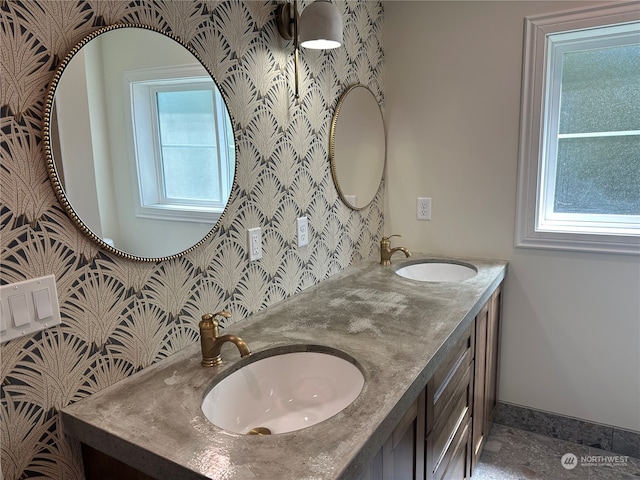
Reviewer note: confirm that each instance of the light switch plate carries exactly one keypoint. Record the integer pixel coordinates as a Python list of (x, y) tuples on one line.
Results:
[(27, 307)]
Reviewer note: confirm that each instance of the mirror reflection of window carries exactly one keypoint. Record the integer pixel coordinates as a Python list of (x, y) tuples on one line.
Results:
[(187, 143), (94, 153), (183, 144)]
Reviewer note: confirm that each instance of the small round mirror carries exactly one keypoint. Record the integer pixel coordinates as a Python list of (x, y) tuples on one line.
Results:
[(358, 147), (139, 143)]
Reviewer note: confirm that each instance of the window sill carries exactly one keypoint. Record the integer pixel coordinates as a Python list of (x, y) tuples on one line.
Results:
[(171, 213), (614, 244)]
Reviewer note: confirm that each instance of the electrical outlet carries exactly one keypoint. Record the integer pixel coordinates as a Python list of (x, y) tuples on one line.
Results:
[(254, 241), (303, 232), (423, 208)]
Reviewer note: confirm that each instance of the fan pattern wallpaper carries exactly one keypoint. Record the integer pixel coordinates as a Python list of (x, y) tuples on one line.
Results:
[(118, 315)]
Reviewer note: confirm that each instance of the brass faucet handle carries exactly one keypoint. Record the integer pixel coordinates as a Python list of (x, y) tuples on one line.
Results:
[(212, 316), (209, 322), (386, 239), (222, 313), (385, 242)]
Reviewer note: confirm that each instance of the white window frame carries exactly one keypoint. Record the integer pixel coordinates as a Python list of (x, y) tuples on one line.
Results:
[(534, 229), (150, 202)]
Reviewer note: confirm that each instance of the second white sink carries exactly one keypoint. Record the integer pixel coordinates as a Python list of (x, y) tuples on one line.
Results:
[(437, 271), (283, 393)]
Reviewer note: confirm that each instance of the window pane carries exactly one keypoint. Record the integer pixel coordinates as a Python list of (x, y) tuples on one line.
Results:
[(191, 173), (187, 117), (188, 142), (601, 90), (598, 175)]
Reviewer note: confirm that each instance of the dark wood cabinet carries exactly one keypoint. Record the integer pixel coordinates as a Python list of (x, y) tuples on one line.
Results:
[(402, 455), (487, 326), (445, 441), (493, 350), (449, 400), (478, 423), (100, 466)]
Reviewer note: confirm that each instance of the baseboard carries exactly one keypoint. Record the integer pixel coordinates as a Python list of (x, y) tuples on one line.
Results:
[(604, 437)]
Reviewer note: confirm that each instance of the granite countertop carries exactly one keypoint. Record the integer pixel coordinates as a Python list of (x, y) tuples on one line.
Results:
[(397, 329)]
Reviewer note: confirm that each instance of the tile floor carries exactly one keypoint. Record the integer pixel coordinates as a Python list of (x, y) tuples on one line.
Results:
[(513, 454)]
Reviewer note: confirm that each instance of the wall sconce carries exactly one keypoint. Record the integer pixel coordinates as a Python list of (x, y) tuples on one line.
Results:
[(318, 27)]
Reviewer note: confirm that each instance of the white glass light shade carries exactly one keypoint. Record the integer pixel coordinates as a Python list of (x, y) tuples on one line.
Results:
[(320, 26)]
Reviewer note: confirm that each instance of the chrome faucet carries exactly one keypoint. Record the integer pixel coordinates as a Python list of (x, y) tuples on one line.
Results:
[(211, 342), (386, 251)]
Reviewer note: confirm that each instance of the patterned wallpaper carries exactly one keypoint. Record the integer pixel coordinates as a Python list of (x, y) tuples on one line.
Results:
[(120, 316)]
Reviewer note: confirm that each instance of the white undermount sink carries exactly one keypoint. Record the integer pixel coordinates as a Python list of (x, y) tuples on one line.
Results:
[(283, 393), (438, 271)]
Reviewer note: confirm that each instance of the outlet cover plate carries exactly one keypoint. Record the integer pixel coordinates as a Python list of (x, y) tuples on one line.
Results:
[(423, 208), (254, 243), (303, 232)]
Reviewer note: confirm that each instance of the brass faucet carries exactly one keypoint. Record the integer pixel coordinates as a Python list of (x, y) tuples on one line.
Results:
[(386, 251), (211, 342)]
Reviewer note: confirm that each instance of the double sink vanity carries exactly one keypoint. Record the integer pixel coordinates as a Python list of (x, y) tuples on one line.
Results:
[(381, 372), (372, 374)]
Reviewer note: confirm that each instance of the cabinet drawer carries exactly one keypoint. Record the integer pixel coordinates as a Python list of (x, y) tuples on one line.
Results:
[(448, 366), (456, 463), (455, 413), (456, 385), (448, 403)]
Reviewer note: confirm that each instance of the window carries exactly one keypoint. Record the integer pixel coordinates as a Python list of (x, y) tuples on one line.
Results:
[(579, 159), (183, 144)]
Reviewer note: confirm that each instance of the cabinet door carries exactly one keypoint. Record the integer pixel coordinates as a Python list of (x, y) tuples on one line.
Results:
[(479, 388), (402, 455), (493, 349), (100, 466), (486, 372), (374, 469), (403, 452)]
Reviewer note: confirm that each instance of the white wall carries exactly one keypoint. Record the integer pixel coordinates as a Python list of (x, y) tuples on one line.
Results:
[(76, 147), (104, 185), (160, 236), (571, 331)]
